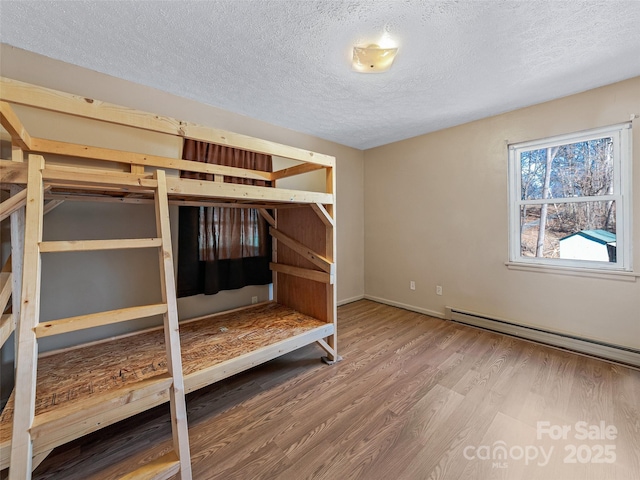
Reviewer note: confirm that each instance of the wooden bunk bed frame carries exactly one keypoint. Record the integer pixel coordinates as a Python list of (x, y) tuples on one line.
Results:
[(75, 392)]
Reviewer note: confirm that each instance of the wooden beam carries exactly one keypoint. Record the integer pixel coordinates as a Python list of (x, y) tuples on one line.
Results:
[(139, 159), (17, 201), (6, 268), (296, 170), (198, 188), (7, 326), (13, 125), (309, 274), (329, 214), (91, 245), (6, 285), (27, 353), (326, 347), (304, 251), (96, 197), (267, 216), (51, 205), (21, 93), (323, 214), (103, 198), (89, 420), (39, 458), (82, 322), (62, 421), (57, 176), (17, 249), (178, 407), (12, 204)]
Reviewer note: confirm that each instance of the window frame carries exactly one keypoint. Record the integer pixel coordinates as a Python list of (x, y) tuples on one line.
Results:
[(622, 185)]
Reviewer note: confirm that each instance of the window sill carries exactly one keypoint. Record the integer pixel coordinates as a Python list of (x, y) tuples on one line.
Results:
[(573, 271)]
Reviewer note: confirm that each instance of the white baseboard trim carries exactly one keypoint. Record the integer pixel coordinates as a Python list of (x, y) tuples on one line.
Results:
[(615, 353), (431, 313), (349, 300)]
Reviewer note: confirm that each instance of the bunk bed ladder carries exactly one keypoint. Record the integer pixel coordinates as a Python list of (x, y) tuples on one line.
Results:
[(27, 426)]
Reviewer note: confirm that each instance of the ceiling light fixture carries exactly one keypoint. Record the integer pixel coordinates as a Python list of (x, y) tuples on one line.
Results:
[(373, 59)]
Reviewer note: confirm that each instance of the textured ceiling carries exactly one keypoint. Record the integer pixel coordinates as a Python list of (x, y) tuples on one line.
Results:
[(287, 61)]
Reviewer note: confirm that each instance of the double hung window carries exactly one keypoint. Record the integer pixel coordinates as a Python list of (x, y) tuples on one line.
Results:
[(570, 200)]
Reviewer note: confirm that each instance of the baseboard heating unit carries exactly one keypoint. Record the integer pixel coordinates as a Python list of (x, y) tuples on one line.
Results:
[(615, 353)]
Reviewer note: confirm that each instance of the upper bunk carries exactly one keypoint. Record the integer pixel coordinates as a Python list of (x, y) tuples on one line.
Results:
[(127, 176)]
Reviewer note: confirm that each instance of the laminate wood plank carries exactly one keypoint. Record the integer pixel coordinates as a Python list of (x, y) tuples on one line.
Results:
[(385, 411), (159, 469)]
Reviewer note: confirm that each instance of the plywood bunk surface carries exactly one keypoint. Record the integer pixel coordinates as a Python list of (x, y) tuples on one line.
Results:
[(208, 345)]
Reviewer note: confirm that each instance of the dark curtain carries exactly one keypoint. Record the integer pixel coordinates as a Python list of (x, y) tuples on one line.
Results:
[(222, 248)]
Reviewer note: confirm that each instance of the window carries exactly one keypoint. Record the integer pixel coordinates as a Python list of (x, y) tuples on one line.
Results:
[(570, 200)]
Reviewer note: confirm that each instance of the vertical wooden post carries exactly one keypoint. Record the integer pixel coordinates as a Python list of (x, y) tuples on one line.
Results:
[(17, 252), (27, 352), (171, 333), (332, 289)]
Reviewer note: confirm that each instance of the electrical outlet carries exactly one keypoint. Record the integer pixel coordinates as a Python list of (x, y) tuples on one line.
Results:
[(254, 300), (412, 285), (438, 290)]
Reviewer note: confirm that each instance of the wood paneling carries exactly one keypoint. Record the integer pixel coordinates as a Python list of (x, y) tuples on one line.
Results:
[(305, 295)]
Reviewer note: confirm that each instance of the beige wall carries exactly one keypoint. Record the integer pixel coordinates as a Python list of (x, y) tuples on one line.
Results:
[(66, 273), (436, 212)]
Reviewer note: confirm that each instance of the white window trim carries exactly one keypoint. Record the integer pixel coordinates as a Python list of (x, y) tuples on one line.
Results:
[(623, 268)]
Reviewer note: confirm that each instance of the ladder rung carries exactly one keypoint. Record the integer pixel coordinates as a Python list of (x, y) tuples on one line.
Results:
[(86, 245), (100, 410), (81, 322), (159, 469), (6, 327)]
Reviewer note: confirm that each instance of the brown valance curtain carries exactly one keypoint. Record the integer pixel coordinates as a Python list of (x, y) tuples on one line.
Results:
[(221, 248)]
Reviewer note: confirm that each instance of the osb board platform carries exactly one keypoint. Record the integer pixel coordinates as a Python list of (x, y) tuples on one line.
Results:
[(80, 374)]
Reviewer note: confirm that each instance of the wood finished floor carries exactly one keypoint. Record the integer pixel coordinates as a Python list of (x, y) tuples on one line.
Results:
[(414, 398)]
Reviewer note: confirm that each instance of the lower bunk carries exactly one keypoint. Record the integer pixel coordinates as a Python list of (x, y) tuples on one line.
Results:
[(83, 389)]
